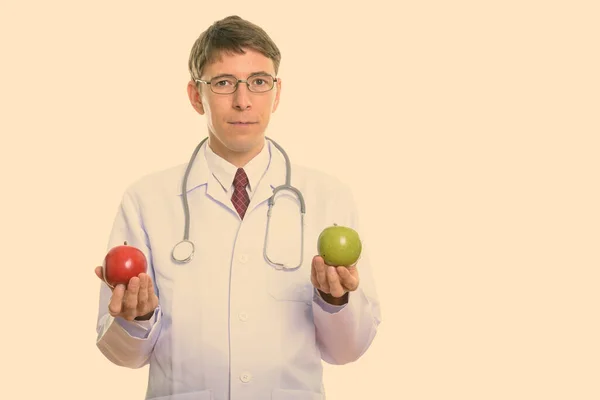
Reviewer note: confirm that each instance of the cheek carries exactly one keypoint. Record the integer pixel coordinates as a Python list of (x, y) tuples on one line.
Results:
[(267, 106), (212, 118), (212, 113)]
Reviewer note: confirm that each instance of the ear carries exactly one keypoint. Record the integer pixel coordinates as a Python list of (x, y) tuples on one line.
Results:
[(195, 97), (277, 94)]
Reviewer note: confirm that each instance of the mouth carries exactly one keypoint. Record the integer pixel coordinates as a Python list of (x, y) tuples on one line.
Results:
[(242, 123)]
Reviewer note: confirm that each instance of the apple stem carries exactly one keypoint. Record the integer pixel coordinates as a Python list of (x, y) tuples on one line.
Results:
[(125, 243)]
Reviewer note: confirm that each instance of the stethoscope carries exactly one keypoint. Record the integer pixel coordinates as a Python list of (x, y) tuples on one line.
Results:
[(183, 252)]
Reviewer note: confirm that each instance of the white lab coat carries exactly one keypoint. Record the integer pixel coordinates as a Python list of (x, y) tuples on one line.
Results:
[(229, 325)]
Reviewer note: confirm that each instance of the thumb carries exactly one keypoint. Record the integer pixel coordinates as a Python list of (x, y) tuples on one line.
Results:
[(100, 275), (98, 272)]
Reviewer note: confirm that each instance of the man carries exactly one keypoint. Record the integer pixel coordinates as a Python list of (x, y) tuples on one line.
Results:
[(228, 324)]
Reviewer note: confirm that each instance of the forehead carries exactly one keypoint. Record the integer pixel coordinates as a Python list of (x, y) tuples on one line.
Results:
[(240, 65)]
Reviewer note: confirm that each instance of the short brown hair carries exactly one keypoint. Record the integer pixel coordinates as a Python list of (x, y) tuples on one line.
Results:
[(232, 35)]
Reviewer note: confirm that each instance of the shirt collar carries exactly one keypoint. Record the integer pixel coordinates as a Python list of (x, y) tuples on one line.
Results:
[(224, 171)]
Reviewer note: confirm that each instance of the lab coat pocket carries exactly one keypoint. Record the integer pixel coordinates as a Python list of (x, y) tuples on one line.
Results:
[(294, 394), (201, 395), (286, 285)]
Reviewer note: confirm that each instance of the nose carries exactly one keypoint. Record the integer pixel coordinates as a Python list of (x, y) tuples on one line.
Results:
[(241, 97)]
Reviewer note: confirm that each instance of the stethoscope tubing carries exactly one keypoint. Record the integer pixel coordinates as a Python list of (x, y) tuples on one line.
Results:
[(188, 255)]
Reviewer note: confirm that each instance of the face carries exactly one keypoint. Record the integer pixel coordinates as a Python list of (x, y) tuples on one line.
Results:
[(237, 121)]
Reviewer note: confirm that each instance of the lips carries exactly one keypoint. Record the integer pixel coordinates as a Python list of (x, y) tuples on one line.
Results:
[(242, 123)]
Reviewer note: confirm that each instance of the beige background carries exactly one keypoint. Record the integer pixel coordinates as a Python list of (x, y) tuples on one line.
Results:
[(468, 129)]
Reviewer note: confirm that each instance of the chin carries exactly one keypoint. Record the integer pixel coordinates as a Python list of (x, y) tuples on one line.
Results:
[(243, 142)]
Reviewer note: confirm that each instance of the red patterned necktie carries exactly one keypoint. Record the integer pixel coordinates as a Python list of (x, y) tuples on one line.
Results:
[(240, 198)]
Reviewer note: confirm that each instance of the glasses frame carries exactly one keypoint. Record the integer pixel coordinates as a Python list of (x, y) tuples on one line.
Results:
[(237, 83)]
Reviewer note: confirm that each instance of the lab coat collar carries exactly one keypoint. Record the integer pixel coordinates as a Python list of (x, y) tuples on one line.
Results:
[(262, 189)]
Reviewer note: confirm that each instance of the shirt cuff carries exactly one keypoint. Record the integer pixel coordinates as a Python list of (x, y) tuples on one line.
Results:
[(138, 329), (330, 308)]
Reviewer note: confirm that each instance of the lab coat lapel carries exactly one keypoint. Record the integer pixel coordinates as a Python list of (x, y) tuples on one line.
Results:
[(200, 175), (218, 193), (274, 176)]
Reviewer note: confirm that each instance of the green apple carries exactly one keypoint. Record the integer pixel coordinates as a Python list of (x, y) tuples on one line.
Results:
[(339, 246)]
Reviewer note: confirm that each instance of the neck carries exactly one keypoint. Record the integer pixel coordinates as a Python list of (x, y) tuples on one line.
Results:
[(237, 158)]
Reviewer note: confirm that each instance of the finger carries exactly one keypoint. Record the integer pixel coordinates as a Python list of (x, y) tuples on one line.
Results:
[(151, 293), (348, 279), (152, 297), (143, 295), (116, 301), (335, 286), (130, 300), (313, 275), (321, 272)]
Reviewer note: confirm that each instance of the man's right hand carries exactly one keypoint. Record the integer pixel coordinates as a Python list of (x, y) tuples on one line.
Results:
[(136, 301)]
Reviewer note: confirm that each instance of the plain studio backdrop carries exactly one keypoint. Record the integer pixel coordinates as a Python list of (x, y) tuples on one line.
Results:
[(469, 131)]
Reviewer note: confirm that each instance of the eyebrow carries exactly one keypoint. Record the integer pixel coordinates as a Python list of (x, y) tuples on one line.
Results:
[(251, 74)]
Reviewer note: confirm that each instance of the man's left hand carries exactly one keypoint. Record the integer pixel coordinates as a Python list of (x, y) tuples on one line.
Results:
[(334, 281)]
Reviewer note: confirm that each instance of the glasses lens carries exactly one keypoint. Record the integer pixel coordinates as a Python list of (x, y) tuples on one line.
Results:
[(223, 85), (261, 83)]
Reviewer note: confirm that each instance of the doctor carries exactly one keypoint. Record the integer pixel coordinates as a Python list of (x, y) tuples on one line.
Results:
[(230, 322)]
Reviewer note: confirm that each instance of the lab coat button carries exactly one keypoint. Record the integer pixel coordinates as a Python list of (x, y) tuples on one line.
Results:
[(243, 316), (246, 377), (244, 258)]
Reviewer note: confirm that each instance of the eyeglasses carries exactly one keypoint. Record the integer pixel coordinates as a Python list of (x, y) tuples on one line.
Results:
[(227, 84)]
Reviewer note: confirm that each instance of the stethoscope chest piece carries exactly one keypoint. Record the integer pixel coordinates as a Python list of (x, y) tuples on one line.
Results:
[(183, 251)]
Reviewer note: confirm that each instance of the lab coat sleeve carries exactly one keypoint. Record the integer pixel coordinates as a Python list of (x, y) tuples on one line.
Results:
[(345, 332), (127, 343)]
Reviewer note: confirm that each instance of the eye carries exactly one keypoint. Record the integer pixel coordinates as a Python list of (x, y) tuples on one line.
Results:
[(223, 82), (261, 81)]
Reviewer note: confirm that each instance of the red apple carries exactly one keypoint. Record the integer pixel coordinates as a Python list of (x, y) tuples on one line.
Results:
[(123, 263)]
